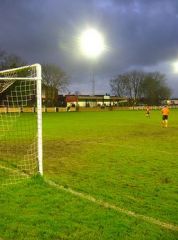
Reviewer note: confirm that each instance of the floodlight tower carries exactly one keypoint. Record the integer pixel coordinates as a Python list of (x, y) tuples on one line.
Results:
[(92, 45)]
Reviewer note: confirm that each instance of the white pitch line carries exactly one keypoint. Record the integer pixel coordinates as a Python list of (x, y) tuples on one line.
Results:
[(133, 147), (168, 226), (14, 170)]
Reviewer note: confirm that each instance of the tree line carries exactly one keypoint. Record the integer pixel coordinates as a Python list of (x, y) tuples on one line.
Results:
[(137, 86), (141, 87)]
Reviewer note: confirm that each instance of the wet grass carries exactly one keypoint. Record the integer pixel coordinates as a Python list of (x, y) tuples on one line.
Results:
[(122, 158)]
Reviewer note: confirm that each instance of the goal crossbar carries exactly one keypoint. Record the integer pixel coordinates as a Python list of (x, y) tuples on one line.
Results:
[(37, 65), (19, 78)]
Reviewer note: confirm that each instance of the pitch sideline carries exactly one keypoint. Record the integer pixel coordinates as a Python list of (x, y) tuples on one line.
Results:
[(168, 226)]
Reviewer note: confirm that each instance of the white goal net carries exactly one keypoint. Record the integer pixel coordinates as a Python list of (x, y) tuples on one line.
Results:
[(20, 124)]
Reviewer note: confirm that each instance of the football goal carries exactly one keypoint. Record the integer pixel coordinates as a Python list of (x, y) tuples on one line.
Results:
[(20, 124)]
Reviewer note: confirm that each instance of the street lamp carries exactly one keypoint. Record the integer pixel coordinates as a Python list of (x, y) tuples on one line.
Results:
[(91, 44)]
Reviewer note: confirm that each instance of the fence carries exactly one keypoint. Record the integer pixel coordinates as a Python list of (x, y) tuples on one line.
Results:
[(81, 109)]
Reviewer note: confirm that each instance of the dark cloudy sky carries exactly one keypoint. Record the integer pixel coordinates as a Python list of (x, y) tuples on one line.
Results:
[(140, 34)]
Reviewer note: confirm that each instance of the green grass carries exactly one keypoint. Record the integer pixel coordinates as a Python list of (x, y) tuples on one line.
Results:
[(122, 158)]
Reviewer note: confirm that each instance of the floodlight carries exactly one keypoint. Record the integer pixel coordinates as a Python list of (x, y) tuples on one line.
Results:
[(91, 43), (175, 66)]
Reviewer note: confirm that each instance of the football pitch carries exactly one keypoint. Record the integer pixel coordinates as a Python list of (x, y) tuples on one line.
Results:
[(107, 175)]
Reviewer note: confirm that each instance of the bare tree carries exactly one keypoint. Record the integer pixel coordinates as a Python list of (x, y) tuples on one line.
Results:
[(118, 86), (136, 85), (8, 61), (128, 84), (55, 77), (54, 81), (134, 79)]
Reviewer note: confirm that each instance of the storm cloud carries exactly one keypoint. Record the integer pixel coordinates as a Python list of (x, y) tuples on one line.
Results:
[(140, 34)]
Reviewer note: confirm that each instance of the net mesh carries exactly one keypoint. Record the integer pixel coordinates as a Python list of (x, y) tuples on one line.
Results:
[(18, 125)]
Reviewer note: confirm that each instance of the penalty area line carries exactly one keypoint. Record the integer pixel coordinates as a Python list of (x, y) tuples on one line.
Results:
[(165, 225)]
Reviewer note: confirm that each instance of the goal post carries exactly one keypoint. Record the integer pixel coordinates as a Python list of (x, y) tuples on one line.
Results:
[(39, 118), (20, 123)]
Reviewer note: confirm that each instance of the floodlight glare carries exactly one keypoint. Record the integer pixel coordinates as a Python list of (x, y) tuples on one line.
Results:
[(175, 66), (91, 43)]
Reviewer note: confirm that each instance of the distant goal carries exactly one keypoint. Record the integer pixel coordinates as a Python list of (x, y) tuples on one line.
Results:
[(20, 124)]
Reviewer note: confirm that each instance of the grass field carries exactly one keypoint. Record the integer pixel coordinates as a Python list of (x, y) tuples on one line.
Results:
[(108, 175)]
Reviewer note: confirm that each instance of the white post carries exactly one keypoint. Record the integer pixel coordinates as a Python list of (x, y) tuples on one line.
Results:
[(39, 118)]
